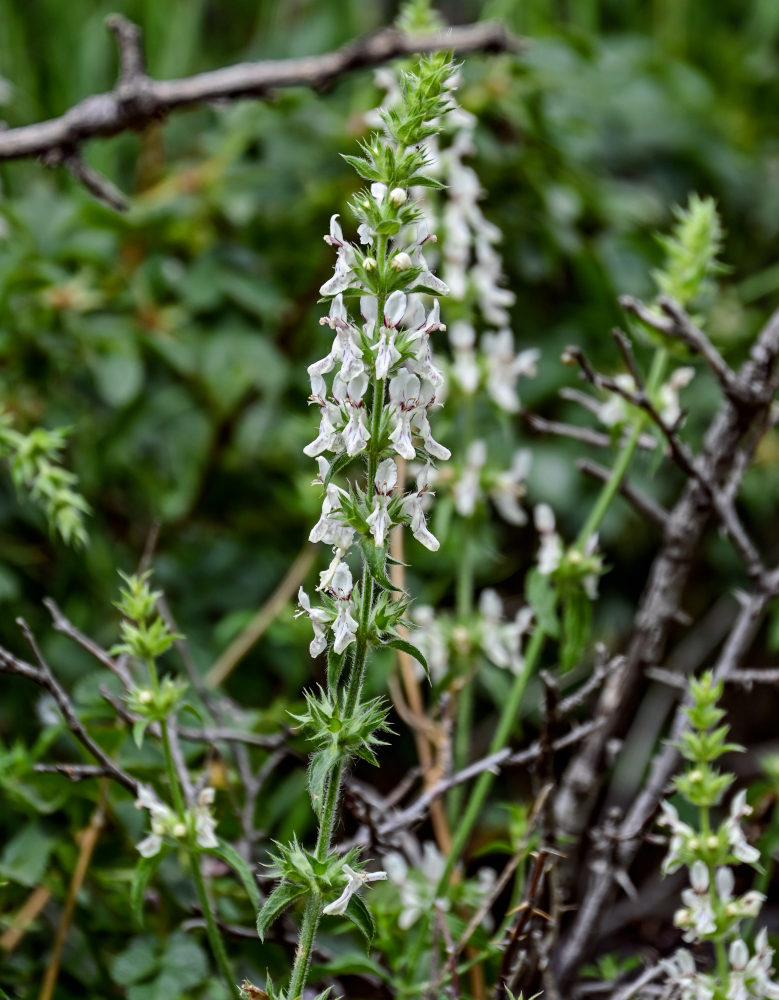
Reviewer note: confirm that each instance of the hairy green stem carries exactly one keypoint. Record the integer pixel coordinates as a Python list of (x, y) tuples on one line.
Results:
[(308, 929), (212, 930), (313, 911)]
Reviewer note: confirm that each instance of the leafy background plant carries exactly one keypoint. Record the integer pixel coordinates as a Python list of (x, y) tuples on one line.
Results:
[(173, 343)]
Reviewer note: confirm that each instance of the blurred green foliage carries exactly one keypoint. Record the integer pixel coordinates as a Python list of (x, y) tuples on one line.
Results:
[(173, 341)]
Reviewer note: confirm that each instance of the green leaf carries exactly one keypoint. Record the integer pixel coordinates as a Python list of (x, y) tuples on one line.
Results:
[(375, 558), (281, 897), (577, 621), (422, 180), (136, 962), (542, 598), (411, 649), (387, 228), (336, 466), (26, 856), (335, 665), (230, 856), (318, 772), (139, 730), (360, 916), (184, 962), (144, 870), (363, 167)]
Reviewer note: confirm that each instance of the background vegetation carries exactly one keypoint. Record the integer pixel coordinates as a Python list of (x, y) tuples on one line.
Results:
[(173, 342)]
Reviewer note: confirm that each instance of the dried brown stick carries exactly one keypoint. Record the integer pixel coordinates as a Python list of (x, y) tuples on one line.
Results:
[(723, 444), (139, 99), (44, 678)]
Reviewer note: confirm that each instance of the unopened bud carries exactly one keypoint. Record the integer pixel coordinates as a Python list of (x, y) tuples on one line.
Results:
[(398, 197), (695, 776), (567, 358), (401, 261), (145, 697), (370, 264), (179, 830), (712, 842)]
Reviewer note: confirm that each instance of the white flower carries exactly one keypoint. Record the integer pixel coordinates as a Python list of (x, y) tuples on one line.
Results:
[(343, 275), (501, 641), (465, 489), (345, 625), (385, 480), (681, 833), (739, 845), (318, 618), (204, 822), (508, 488), (404, 395), (354, 881), (504, 367), (550, 552), (162, 817), (413, 509), (465, 368)]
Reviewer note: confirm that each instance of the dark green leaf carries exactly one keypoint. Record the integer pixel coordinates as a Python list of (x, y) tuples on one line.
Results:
[(577, 620), (542, 598), (363, 167), (375, 558), (411, 649), (336, 466), (281, 897), (360, 916), (230, 856), (335, 665), (144, 870)]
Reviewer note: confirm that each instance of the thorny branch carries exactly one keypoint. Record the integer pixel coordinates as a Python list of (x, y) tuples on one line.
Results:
[(713, 481), (139, 99)]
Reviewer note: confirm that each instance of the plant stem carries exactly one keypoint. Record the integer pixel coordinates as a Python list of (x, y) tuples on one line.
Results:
[(308, 929), (610, 487), (214, 937), (502, 733), (329, 810), (465, 696)]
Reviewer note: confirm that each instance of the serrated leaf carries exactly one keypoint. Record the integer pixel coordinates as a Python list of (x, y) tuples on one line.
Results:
[(577, 621), (360, 916), (542, 598), (281, 897), (231, 857), (335, 665), (363, 167), (422, 180), (374, 557), (411, 649), (144, 870)]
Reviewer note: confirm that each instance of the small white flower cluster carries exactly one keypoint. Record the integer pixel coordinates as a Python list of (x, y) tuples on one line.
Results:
[(615, 411), (417, 885), (554, 560), (495, 365), (167, 823), (711, 909), (473, 482), (500, 640)]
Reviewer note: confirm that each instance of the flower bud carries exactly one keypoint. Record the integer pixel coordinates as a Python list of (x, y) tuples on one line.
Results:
[(401, 261), (145, 697), (712, 842), (397, 197), (370, 264), (179, 830)]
